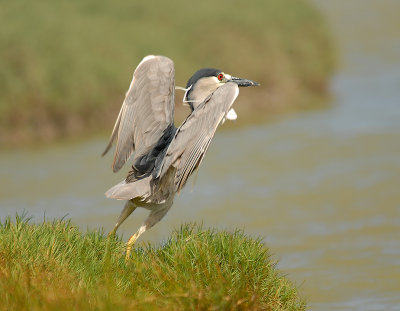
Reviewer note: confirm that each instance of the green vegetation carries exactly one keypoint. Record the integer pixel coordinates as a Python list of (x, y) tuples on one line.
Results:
[(53, 266), (65, 65)]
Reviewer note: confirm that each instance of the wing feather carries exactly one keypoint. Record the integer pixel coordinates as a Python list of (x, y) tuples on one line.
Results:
[(148, 109), (194, 136)]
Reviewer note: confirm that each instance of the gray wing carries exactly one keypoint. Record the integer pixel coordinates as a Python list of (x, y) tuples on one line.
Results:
[(148, 109), (193, 137)]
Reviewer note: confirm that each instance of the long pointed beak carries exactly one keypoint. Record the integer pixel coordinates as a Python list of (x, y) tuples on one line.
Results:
[(243, 82)]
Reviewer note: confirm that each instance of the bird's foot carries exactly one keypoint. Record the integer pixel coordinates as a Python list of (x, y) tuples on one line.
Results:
[(112, 233), (129, 245)]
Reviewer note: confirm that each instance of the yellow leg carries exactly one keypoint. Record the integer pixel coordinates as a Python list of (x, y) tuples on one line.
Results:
[(129, 245), (112, 232), (156, 214), (132, 241), (128, 209)]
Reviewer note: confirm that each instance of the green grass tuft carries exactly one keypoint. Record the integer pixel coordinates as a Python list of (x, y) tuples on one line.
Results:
[(53, 266)]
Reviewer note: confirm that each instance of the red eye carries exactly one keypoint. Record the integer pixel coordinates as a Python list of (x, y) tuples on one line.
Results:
[(220, 77)]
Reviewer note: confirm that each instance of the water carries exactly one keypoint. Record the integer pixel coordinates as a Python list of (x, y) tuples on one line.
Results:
[(322, 187)]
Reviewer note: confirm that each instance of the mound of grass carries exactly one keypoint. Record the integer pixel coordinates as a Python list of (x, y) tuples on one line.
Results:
[(66, 65), (54, 266)]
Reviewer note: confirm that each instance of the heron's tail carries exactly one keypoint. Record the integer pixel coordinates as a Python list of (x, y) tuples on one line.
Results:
[(126, 191)]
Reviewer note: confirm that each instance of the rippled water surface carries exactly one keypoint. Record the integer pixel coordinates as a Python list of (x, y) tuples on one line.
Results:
[(322, 187)]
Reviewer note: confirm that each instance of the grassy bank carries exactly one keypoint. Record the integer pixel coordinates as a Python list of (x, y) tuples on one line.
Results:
[(54, 266), (66, 65)]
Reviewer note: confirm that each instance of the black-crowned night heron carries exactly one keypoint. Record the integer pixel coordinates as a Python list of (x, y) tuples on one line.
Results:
[(165, 156)]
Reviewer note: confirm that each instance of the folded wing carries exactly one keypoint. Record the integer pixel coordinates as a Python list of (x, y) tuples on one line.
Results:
[(147, 111)]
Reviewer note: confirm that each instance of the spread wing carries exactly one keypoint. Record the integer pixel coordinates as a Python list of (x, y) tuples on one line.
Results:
[(148, 109), (193, 137)]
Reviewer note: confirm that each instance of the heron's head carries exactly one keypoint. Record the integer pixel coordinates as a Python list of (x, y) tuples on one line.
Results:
[(207, 80)]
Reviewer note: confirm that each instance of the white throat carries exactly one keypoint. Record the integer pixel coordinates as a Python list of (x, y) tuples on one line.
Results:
[(202, 88)]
